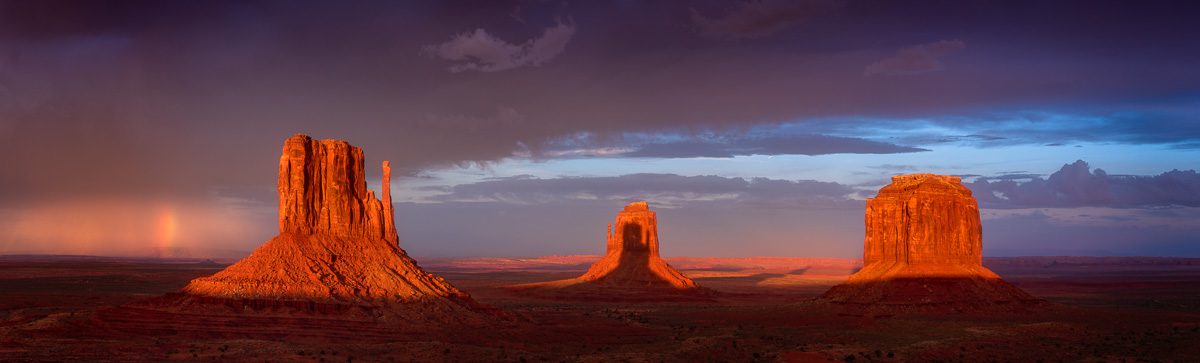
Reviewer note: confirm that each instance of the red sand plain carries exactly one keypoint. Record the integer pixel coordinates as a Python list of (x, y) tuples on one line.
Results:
[(1100, 309)]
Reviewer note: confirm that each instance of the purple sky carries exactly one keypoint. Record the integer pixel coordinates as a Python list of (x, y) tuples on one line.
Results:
[(521, 127)]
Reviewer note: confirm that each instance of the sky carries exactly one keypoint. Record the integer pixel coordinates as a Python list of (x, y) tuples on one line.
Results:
[(520, 128)]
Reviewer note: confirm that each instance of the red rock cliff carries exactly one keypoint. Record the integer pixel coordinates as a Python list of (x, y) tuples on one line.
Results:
[(923, 246), (923, 219), (632, 255), (336, 244), (322, 189)]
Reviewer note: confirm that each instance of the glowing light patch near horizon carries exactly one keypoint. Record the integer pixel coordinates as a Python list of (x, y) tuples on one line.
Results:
[(137, 228), (167, 222)]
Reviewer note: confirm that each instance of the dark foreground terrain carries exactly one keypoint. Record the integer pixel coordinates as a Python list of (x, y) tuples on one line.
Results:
[(1098, 310)]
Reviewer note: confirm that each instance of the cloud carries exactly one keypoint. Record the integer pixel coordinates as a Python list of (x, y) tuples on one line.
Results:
[(1173, 127), (484, 52), (916, 59), (772, 145), (577, 227), (1076, 185), (172, 99), (1014, 176), (636, 72), (710, 144), (1154, 217), (1186, 145), (1089, 231), (759, 18), (667, 190), (698, 216)]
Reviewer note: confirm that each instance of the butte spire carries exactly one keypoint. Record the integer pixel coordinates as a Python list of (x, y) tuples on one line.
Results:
[(631, 265), (923, 249), (336, 250), (631, 257), (322, 191)]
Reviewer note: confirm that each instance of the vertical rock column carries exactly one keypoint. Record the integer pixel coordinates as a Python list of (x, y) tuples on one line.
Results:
[(632, 257), (923, 219), (322, 190), (389, 225)]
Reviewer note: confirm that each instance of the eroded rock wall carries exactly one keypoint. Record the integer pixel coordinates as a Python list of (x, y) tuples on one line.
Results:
[(923, 219), (632, 253), (322, 189), (923, 248), (337, 242)]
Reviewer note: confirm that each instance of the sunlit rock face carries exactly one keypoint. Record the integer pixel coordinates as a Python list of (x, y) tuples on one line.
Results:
[(631, 269), (923, 220), (322, 190), (923, 246), (337, 242), (632, 254)]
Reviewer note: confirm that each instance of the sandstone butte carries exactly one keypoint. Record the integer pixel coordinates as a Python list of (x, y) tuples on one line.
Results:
[(631, 263), (337, 243), (923, 247)]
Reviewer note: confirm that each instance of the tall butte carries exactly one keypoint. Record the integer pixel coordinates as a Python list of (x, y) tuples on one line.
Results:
[(337, 243), (631, 264), (632, 257), (923, 249)]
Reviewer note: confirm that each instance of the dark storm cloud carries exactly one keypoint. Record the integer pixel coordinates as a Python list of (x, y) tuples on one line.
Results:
[(759, 18), (480, 51), (162, 105), (178, 97), (916, 59), (666, 189), (1076, 185), (63, 136)]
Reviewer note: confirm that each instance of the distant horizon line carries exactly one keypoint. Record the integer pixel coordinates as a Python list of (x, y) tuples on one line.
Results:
[(10, 256)]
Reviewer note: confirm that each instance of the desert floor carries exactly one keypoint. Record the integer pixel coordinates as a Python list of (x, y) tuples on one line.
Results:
[(1099, 309)]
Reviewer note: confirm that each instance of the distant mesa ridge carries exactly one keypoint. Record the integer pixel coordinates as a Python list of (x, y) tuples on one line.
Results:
[(923, 246)]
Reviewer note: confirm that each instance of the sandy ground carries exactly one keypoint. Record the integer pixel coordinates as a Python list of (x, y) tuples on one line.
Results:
[(1099, 310)]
